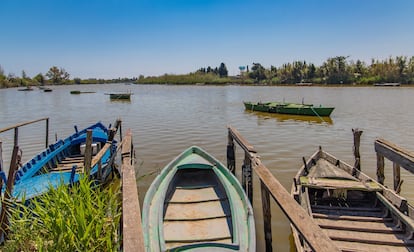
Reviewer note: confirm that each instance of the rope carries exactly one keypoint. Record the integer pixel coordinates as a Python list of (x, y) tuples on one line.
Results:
[(317, 114)]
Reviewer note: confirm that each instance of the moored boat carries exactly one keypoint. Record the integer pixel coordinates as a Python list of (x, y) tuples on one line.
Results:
[(63, 162), (289, 108), (195, 203), (356, 212), (120, 96)]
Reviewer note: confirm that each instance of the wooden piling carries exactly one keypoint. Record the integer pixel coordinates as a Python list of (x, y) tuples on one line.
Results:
[(397, 177), (380, 169), (88, 153), (357, 140), (247, 177), (47, 133), (231, 160), (267, 217), (6, 204)]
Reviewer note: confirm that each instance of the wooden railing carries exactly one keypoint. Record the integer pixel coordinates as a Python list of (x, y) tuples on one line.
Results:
[(400, 158), (270, 186)]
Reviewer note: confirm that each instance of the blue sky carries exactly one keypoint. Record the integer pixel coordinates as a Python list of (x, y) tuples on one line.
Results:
[(127, 38)]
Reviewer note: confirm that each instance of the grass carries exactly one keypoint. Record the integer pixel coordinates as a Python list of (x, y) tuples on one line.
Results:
[(83, 218)]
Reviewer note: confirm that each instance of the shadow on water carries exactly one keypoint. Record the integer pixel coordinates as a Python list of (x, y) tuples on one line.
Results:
[(284, 117)]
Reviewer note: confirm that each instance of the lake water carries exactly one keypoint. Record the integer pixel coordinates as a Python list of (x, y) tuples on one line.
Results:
[(165, 120)]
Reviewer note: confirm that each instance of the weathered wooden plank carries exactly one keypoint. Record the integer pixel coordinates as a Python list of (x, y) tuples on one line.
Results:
[(370, 238), (194, 211), (363, 247), (267, 217), (352, 218), (374, 227), (182, 195), (395, 154), (133, 239)]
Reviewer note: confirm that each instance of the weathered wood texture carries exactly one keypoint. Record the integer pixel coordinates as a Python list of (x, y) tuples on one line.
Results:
[(357, 140), (395, 154), (312, 233), (132, 235), (88, 153)]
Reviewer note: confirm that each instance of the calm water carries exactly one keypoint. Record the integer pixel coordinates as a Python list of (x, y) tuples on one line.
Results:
[(165, 120)]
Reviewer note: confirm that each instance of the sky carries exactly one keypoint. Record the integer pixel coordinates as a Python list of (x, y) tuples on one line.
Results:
[(128, 38)]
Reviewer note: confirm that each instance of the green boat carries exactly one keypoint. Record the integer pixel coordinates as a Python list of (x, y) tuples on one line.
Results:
[(289, 108), (197, 204), (120, 96)]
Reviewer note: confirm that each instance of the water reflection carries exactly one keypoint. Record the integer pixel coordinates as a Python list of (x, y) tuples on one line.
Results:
[(284, 117)]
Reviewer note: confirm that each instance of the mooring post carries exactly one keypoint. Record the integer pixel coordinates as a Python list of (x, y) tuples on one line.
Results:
[(231, 160), (88, 153), (267, 217), (4, 222), (380, 169), (16, 136), (357, 140), (247, 176)]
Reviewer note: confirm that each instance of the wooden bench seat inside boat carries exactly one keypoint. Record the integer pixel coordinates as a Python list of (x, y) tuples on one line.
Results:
[(332, 183)]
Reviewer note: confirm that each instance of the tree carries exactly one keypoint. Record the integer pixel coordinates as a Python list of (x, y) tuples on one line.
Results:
[(222, 71), (257, 72), (57, 75)]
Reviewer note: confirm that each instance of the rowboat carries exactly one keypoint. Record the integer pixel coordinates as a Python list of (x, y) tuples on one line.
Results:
[(63, 162), (355, 211), (195, 203), (120, 96), (289, 108)]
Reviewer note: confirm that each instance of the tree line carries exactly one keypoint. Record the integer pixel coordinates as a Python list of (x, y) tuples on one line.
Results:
[(54, 76), (335, 70)]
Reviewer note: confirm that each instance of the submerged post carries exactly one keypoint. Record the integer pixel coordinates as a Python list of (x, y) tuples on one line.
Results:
[(357, 141), (231, 160), (47, 132)]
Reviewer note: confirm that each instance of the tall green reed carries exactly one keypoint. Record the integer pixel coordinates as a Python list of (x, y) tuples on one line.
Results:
[(85, 217)]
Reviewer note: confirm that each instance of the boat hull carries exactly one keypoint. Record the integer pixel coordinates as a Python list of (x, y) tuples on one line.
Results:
[(195, 203), (289, 108), (54, 165), (350, 207)]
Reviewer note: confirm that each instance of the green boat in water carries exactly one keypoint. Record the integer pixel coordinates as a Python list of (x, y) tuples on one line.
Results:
[(197, 204), (289, 108)]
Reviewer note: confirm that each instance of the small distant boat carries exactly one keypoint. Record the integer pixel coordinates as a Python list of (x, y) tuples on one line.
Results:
[(47, 90), (26, 89), (81, 92), (355, 211), (196, 203), (120, 96), (289, 108), (391, 84), (62, 163)]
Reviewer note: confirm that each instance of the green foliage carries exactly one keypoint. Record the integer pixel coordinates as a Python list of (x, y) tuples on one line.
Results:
[(57, 76), (84, 218)]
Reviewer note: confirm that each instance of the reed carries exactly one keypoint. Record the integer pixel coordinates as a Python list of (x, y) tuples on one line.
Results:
[(84, 218)]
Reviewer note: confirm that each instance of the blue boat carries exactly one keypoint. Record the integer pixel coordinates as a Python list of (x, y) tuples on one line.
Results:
[(63, 162)]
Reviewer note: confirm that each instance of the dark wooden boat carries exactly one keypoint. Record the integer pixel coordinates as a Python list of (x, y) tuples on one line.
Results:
[(196, 204), (63, 162), (120, 96), (355, 211), (289, 108), (26, 89)]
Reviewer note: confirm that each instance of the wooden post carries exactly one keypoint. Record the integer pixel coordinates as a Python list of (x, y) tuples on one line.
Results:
[(247, 176), (357, 141), (47, 132), (380, 169), (16, 136), (267, 217), (87, 160), (397, 177), (231, 159), (100, 170), (7, 195)]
